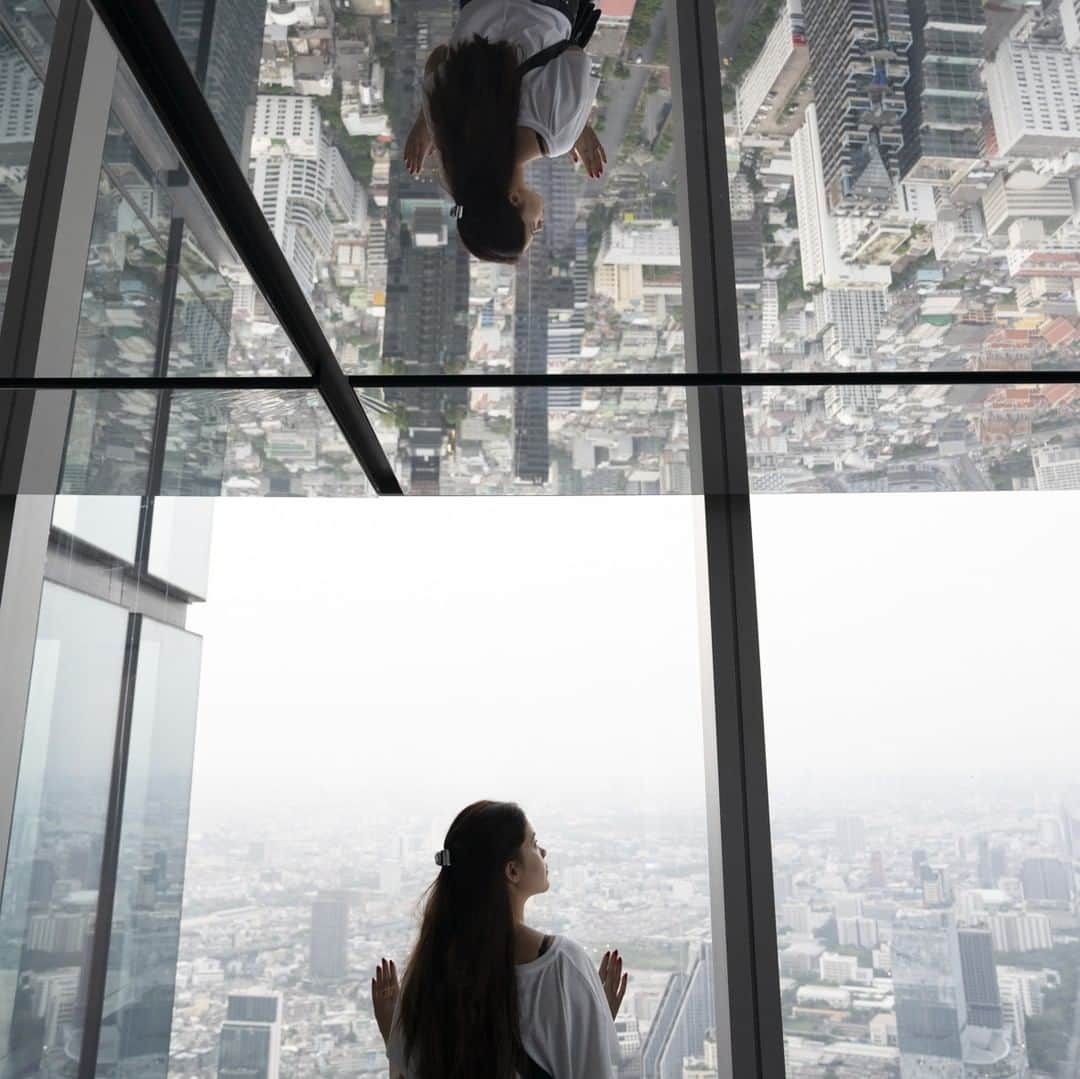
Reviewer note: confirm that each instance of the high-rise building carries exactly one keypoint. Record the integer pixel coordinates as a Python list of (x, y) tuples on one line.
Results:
[(943, 124), (1047, 880), (329, 936), (1034, 92), (549, 316), (858, 62), (1057, 468), (687, 1013), (819, 237), (980, 978), (931, 1009), (628, 1032), (851, 318), (222, 44), (301, 182), (850, 836), (765, 89), (1027, 196), (1018, 932), (250, 1046)]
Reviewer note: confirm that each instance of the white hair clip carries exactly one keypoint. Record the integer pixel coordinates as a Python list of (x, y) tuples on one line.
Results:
[(457, 210), (442, 857)]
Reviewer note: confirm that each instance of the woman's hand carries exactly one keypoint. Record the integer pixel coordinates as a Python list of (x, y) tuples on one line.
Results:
[(418, 145), (588, 150), (613, 980), (384, 994)]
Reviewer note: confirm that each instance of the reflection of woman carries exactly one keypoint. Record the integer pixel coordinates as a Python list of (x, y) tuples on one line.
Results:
[(484, 996), (513, 84)]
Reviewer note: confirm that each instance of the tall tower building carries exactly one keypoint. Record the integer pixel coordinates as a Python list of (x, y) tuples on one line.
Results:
[(1047, 880), (859, 65), (931, 1009), (222, 44), (250, 1046), (329, 936), (687, 1013), (943, 125), (980, 978)]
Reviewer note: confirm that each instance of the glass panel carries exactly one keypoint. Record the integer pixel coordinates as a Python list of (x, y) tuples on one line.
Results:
[(903, 169), (180, 543), (376, 250), (50, 890), (220, 322), (912, 438), (137, 1016), (26, 31), (299, 877), (922, 752), (535, 440), (110, 524), (259, 442)]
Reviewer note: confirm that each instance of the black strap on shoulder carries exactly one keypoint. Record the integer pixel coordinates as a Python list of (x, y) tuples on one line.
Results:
[(581, 31), (544, 56)]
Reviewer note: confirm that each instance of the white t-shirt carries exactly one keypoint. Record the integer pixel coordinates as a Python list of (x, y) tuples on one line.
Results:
[(557, 97), (566, 1024)]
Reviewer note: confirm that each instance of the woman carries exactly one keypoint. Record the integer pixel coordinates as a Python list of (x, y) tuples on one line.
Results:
[(484, 996), (513, 84)]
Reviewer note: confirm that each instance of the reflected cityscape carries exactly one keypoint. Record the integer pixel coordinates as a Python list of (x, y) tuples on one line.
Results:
[(910, 172)]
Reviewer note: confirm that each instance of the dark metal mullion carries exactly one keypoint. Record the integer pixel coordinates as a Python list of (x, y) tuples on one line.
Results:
[(97, 975), (147, 45), (744, 851), (163, 405)]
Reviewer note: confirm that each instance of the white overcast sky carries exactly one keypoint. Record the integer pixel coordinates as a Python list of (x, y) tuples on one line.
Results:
[(498, 647)]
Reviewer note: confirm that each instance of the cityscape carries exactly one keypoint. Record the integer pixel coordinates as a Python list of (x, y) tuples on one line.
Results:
[(903, 184), (911, 944)]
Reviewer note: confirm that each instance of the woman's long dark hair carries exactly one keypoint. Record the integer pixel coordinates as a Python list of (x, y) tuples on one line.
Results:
[(459, 1005), (474, 113)]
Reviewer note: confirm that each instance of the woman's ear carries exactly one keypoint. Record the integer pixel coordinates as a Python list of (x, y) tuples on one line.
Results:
[(513, 872)]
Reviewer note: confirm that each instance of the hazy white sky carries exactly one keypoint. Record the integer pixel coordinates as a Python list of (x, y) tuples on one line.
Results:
[(497, 647)]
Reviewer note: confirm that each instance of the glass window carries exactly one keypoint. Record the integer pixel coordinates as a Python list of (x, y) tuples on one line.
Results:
[(921, 739), (180, 543), (50, 890), (141, 975), (535, 440), (896, 172), (25, 36), (912, 438), (107, 522), (308, 855), (156, 247), (215, 442), (336, 91)]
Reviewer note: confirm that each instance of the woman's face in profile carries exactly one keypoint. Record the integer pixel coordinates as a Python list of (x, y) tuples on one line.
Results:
[(530, 204), (534, 879)]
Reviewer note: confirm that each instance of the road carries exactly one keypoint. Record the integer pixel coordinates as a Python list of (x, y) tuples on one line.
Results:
[(623, 94), (731, 32)]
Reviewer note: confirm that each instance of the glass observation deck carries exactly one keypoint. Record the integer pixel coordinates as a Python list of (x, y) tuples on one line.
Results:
[(835, 250)]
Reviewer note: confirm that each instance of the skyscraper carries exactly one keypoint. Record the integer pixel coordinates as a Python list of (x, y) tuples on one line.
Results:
[(943, 124), (545, 287), (329, 936), (1047, 880), (687, 1013), (859, 65), (980, 978), (850, 836), (931, 1009), (250, 1046), (222, 44)]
